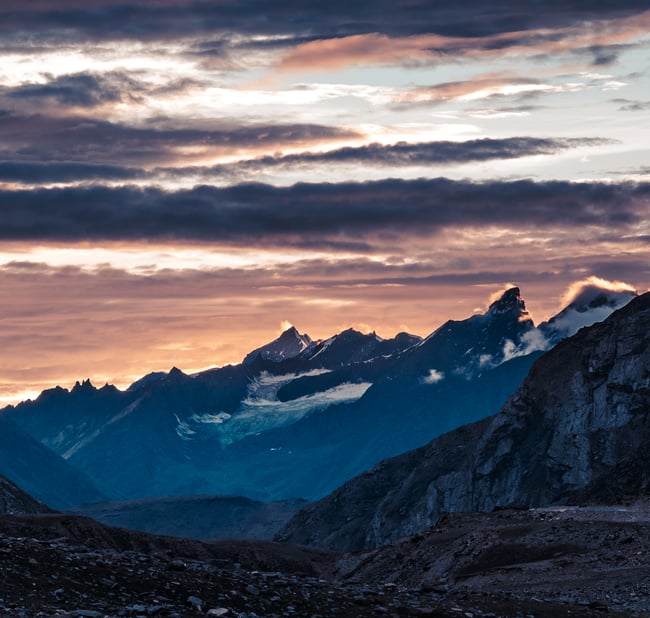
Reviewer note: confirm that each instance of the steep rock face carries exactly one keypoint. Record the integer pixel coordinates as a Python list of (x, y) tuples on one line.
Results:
[(14, 501), (583, 410)]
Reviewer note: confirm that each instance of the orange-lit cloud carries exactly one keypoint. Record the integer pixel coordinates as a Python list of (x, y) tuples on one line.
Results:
[(579, 288), (376, 48), (480, 87)]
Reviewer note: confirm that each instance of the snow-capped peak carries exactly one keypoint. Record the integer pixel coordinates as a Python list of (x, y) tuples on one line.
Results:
[(592, 303), (288, 345)]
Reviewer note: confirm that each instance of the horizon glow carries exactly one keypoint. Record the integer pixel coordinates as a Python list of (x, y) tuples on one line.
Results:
[(177, 180)]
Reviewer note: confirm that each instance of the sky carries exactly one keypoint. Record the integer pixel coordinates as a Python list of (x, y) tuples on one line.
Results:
[(181, 179)]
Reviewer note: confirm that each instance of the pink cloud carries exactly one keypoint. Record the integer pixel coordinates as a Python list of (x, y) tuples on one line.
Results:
[(375, 48)]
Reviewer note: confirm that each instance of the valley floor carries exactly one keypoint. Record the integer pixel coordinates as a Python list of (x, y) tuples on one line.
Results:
[(542, 563)]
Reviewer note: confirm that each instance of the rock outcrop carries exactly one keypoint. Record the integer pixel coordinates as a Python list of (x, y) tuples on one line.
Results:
[(14, 501), (582, 412)]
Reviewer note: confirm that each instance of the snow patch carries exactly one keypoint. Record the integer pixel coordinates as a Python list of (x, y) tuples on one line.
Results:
[(183, 430), (261, 410), (257, 414), (211, 419), (434, 376)]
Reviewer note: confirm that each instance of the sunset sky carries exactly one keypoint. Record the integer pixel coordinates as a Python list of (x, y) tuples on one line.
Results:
[(181, 179)]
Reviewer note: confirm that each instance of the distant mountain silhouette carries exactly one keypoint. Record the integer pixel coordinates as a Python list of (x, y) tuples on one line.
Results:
[(296, 419)]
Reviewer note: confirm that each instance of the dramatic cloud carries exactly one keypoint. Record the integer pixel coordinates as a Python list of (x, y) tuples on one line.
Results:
[(441, 153), (394, 155), (32, 172), (319, 131), (78, 90), (305, 213), (148, 19), (380, 48), (595, 291), (79, 138), (480, 88)]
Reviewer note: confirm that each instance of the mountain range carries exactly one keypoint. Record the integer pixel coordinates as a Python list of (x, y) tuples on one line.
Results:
[(296, 419), (579, 423), (577, 429)]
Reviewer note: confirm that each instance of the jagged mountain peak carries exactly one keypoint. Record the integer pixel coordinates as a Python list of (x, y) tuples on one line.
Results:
[(150, 378), (292, 333), (603, 298), (353, 333), (288, 345), (83, 386), (510, 302), (407, 338), (481, 341)]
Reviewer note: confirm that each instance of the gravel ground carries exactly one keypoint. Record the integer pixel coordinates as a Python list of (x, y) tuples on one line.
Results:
[(596, 557), (59, 565)]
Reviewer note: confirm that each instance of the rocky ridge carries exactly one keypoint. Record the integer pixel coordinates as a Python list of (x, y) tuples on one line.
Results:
[(15, 501), (582, 411)]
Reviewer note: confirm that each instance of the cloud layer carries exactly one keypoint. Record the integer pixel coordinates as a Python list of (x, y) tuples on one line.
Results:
[(306, 213), (149, 19), (179, 176)]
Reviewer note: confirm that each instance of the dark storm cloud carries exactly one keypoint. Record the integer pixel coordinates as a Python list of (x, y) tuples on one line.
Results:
[(311, 213), (80, 90), (398, 155), (80, 138), (161, 19), (35, 172), (110, 143), (441, 152)]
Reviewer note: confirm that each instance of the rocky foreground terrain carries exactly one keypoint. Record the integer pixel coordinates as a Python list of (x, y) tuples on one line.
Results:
[(543, 563), (14, 500)]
